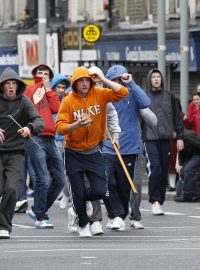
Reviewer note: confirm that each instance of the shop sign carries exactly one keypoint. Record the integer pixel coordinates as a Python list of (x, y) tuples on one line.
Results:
[(91, 33), (28, 53), (8, 58)]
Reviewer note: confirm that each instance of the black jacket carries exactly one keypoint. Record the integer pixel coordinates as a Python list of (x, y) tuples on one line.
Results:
[(165, 107), (22, 110)]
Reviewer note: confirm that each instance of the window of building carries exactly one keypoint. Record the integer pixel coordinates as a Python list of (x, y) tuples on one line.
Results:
[(174, 8), (198, 8), (99, 12), (81, 10)]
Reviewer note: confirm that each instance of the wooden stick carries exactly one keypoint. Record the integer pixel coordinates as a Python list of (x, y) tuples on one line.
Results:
[(122, 163)]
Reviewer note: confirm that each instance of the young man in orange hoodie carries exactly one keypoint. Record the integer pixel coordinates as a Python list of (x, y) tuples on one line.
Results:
[(82, 119)]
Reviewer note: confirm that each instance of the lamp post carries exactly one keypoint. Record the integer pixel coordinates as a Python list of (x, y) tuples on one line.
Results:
[(184, 50), (42, 24), (161, 37)]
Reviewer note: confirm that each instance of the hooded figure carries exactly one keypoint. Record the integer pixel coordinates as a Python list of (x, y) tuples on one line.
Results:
[(42, 66), (58, 78), (157, 138), (128, 113), (18, 109), (82, 119), (12, 142), (130, 143), (164, 105), (94, 104)]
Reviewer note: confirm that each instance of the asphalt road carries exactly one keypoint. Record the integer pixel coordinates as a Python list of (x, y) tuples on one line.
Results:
[(170, 242)]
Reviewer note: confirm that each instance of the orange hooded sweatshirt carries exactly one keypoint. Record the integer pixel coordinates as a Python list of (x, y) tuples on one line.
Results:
[(83, 139)]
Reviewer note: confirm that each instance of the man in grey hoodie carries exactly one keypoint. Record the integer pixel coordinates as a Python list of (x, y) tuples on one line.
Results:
[(157, 138), (18, 120)]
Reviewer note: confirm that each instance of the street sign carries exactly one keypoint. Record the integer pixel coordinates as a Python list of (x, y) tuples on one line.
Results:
[(91, 33)]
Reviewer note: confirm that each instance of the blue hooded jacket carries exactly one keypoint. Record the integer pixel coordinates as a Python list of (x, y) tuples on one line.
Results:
[(128, 113), (58, 78)]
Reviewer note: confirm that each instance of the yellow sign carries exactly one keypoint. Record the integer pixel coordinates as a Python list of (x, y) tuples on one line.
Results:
[(91, 33)]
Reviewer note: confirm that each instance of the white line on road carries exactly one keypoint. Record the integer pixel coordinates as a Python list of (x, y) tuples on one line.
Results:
[(23, 226), (108, 236), (174, 214), (101, 249), (84, 257)]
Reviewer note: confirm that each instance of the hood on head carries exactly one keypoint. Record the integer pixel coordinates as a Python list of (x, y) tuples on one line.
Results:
[(10, 74), (42, 65), (80, 72), (115, 71), (149, 86), (58, 78)]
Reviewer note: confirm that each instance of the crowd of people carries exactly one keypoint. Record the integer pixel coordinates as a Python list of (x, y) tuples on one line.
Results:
[(56, 133)]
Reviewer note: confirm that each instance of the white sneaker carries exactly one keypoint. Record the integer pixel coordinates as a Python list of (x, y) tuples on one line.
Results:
[(89, 209), (85, 231), (109, 224), (44, 224), (136, 224), (4, 234), (157, 209), (20, 204), (64, 202), (118, 224), (72, 225), (96, 228)]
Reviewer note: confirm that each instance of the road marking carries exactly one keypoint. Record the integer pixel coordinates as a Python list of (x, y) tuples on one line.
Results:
[(23, 226), (174, 214), (84, 257), (194, 216), (166, 213), (101, 249), (73, 237)]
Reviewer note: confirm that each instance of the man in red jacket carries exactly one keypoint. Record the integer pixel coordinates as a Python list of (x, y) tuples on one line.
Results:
[(46, 160)]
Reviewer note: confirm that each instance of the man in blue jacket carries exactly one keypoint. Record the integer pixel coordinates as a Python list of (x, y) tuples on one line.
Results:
[(117, 204)]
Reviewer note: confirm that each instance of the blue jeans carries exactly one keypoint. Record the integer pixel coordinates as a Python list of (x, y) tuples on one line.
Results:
[(49, 171)]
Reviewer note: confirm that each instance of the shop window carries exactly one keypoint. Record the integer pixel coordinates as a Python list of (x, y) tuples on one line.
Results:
[(174, 8), (197, 8), (81, 11), (99, 10)]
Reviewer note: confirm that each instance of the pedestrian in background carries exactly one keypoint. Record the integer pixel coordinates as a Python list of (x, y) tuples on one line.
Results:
[(188, 167), (157, 139), (12, 142)]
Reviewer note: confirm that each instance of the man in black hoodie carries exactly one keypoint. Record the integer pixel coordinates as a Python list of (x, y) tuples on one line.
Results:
[(157, 138), (13, 107)]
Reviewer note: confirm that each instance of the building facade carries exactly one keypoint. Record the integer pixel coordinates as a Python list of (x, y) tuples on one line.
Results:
[(129, 35)]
